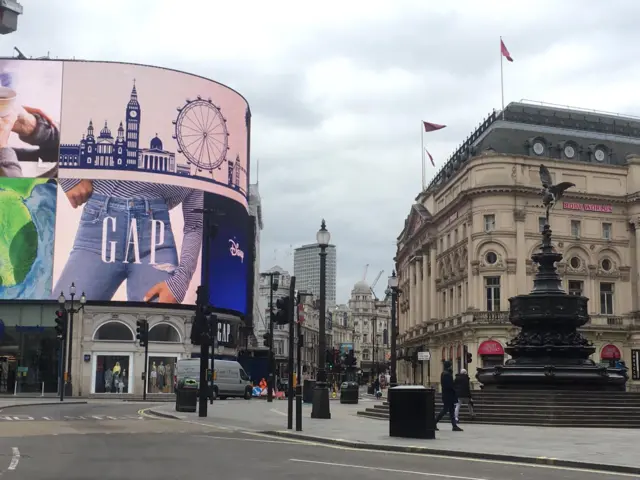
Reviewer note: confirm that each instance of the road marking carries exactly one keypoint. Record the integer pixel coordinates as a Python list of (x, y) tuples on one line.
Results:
[(274, 410), (380, 469), (449, 457), (243, 439), (15, 458)]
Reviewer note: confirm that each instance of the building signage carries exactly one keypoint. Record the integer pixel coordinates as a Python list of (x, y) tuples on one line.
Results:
[(226, 337), (587, 207)]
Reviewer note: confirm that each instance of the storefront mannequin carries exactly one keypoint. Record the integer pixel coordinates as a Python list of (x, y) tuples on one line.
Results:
[(108, 379), (154, 378), (167, 378), (161, 372)]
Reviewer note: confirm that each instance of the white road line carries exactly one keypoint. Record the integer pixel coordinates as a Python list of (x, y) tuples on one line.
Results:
[(380, 469), (243, 439), (274, 410), (207, 425), (15, 459)]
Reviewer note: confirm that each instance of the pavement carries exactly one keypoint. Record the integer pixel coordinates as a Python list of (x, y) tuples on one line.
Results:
[(116, 440), (611, 450)]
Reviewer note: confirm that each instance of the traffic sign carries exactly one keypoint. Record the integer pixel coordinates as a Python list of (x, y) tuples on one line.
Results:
[(424, 356)]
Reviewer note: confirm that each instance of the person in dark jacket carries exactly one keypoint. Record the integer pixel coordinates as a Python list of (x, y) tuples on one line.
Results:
[(449, 397), (462, 386)]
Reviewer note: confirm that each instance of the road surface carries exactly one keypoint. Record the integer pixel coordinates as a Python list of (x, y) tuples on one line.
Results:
[(112, 440)]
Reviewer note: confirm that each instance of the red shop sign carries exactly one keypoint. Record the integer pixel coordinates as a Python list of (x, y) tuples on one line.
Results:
[(587, 207)]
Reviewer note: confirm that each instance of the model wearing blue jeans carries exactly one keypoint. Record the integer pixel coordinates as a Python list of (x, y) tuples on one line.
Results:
[(100, 279)]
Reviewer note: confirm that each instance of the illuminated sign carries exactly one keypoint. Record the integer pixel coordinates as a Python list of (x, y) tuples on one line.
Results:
[(587, 207)]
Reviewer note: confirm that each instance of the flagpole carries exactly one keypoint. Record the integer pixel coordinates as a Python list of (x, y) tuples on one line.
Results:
[(501, 77), (423, 164)]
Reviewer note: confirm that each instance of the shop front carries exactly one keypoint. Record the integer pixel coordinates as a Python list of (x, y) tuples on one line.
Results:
[(29, 349), (115, 360), (491, 353)]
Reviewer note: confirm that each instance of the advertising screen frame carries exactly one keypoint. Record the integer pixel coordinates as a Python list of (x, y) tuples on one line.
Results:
[(152, 68)]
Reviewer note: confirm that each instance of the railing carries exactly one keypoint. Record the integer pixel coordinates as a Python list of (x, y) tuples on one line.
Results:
[(491, 317), (36, 389)]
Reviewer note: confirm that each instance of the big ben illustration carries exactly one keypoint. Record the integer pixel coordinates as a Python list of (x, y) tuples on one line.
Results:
[(133, 129)]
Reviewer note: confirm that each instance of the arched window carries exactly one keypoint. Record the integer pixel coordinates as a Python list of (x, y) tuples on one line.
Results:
[(115, 332), (164, 332)]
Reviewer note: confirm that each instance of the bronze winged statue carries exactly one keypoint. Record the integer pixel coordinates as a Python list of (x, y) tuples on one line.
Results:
[(551, 193)]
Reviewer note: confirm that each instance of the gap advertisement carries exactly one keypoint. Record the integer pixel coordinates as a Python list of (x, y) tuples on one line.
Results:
[(103, 170)]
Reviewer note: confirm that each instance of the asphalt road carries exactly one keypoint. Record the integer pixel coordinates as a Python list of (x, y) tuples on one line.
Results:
[(112, 441)]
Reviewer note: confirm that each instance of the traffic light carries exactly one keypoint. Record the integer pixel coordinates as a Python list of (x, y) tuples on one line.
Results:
[(61, 324), (282, 311), (468, 357), (142, 332), (267, 339), (351, 359), (329, 357)]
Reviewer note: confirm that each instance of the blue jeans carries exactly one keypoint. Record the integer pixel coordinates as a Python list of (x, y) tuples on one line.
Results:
[(120, 239)]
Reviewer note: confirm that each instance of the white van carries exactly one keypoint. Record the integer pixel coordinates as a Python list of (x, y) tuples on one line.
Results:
[(230, 378)]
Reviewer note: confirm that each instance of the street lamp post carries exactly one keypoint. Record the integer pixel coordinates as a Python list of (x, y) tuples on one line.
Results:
[(393, 286), (320, 407), (273, 286), (70, 311)]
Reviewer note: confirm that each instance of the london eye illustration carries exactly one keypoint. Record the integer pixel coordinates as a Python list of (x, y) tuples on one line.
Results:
[(202, 135)]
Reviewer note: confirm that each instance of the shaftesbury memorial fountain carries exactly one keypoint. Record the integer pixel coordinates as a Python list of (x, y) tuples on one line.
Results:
[(549, 353)]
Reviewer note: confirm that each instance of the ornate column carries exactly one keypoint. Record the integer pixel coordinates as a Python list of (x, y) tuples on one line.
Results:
[(471, 297), (519, 216), (636, 299), (417, 319), (433, 307), (412, 294), (426, 302)]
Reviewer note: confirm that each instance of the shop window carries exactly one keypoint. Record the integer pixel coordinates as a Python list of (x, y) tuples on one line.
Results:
[(606, 298), (164, 333), (115, 332), (490, 361), (492, 289), (161, 374), (112, 374)]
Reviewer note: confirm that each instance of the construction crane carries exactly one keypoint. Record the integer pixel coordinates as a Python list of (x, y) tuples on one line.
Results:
[(375, 282)]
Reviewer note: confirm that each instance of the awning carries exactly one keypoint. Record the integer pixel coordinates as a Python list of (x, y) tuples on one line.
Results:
[(610, 352), (490, 347)]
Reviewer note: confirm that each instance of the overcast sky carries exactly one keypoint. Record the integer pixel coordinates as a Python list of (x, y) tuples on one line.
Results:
[(338, 89)]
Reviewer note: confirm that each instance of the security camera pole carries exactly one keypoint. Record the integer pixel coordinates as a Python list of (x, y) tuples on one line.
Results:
[(9, 11)]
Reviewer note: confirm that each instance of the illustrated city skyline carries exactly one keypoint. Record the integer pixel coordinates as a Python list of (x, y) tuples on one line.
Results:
[(123, 152)]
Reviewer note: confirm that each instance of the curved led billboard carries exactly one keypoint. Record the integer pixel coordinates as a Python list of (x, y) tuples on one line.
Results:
[(124, 158)]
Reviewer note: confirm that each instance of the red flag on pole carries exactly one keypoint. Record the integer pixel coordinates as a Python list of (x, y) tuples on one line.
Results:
[(432, 127), (430, 157), (505, 52)]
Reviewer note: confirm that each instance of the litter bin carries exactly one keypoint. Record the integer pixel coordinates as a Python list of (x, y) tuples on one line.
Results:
[(349, 392), (187, 396), (307, 391), (412, 412)]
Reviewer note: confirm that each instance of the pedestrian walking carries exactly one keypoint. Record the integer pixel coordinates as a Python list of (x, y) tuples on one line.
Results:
[(462, 385), (449, 397)]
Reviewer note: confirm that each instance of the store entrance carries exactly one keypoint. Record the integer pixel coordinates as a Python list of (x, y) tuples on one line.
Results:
[(28, 361)]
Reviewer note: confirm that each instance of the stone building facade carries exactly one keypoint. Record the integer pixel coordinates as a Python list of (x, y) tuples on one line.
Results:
[(467, 242)]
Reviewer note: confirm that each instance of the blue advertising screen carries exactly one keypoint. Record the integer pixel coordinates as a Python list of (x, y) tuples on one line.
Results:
[(231, 253)]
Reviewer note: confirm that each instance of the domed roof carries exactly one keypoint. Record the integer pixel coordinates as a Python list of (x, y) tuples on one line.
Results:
[(361, 287), (105, 132), (156, 143)]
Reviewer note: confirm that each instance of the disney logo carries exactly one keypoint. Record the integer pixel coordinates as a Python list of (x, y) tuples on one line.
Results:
[(235, 250)]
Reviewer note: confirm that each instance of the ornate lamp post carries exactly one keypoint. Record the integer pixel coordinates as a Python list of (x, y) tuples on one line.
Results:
[(320, 408), (393, 286), (70, 311)]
